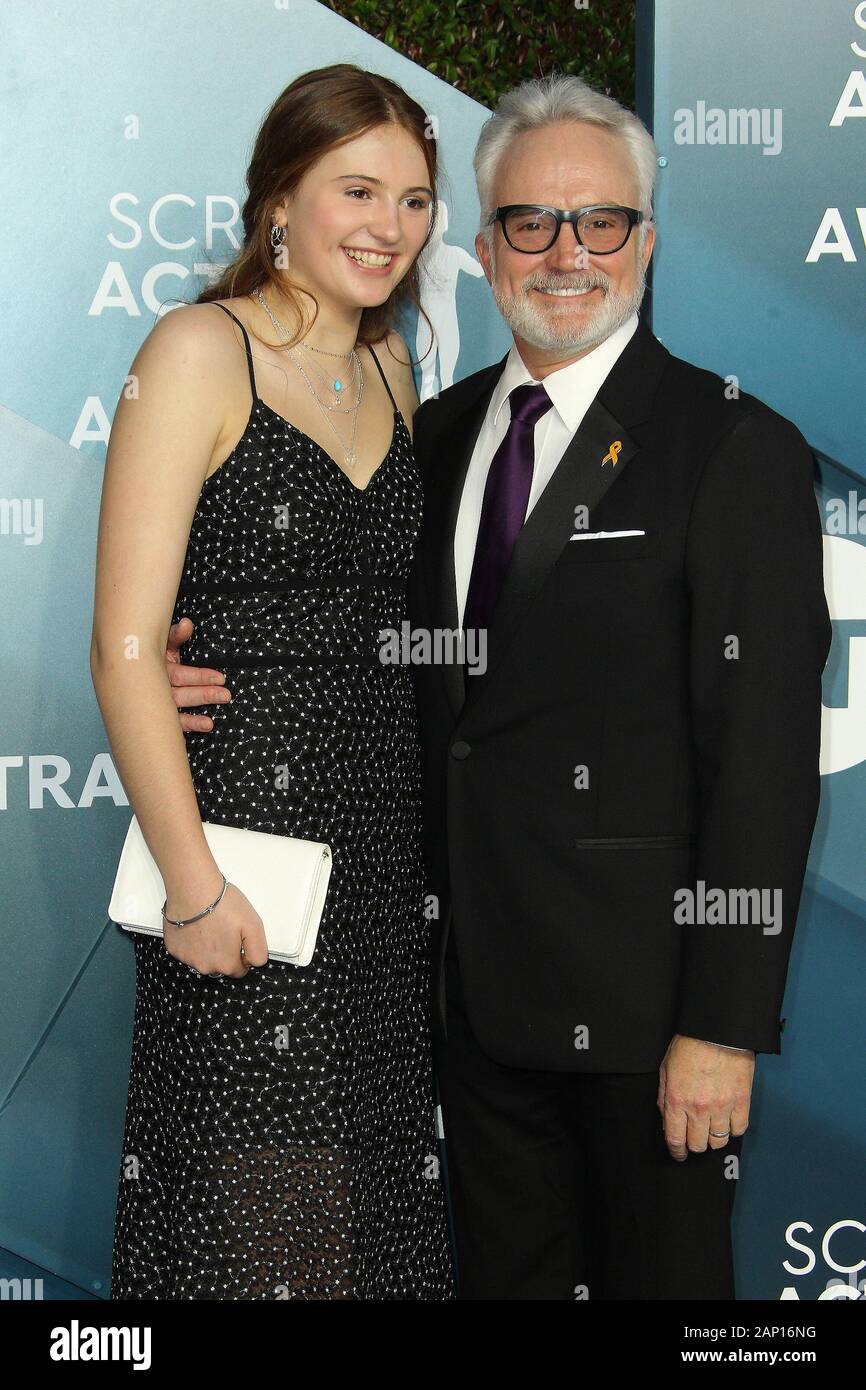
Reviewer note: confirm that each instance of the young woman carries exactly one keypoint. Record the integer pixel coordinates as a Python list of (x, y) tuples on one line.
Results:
[(279, 1138)]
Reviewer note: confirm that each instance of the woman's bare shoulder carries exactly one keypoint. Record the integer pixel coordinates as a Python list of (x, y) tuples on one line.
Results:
[(196, 340), (196, 323)]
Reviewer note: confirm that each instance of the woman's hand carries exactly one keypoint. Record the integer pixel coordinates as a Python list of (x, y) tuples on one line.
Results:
[(213, 945)]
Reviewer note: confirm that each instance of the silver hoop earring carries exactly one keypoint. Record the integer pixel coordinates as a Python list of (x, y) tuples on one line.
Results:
[(278, 236)]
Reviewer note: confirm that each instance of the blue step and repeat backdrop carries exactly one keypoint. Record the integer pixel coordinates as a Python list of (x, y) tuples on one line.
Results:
[(759, 115), (130, 129)]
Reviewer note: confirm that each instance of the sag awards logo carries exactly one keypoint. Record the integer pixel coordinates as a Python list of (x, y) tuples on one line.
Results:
[(173, 224), (836, 235)]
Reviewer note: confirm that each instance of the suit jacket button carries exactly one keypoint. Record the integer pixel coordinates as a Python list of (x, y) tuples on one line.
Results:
[(460, 749)]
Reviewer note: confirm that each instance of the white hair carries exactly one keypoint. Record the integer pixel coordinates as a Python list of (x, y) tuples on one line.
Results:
[(560, 97)]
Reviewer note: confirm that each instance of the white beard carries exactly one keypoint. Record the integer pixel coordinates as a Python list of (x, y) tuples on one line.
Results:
[(532, 321)]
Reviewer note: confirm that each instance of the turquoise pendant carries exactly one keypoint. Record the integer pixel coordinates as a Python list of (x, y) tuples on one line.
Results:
[(338, 385)]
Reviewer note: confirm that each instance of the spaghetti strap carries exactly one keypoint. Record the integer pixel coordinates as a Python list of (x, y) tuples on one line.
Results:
[(250, 358), (248, 348), (384, 378)]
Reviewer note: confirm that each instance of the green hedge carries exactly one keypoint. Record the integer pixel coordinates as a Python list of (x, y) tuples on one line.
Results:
[(483, 50)]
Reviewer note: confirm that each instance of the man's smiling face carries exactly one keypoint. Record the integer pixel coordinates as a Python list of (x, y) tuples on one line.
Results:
[(568, 164)]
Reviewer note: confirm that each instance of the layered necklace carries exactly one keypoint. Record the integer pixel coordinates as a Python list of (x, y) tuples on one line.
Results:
[(336, 388)]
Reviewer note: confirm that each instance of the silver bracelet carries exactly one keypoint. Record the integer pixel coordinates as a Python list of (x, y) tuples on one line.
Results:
[(186, 921)]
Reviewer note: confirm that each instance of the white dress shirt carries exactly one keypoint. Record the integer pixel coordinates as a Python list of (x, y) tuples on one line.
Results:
[(572, 390)]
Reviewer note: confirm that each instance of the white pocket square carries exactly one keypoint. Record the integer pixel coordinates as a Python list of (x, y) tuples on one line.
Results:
[(602, 535)]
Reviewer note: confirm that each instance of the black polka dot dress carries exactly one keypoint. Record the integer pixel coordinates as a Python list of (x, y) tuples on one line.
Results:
[(279, 1139)]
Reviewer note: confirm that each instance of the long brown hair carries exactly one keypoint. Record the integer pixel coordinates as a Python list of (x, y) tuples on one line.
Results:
[(316, 113)]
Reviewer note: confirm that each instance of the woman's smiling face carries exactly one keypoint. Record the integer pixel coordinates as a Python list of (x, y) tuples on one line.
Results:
[(359, 218)]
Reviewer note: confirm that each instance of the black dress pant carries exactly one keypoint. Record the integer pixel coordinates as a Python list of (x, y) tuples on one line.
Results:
[(562, 1185)]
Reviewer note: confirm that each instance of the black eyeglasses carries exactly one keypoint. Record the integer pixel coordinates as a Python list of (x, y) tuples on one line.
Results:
[(601, 229)]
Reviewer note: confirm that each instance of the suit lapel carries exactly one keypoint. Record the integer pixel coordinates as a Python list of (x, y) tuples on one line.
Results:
[(580, 480), (442, 503)]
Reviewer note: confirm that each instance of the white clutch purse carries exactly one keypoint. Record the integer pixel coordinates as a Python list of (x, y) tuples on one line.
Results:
[(285, 879)]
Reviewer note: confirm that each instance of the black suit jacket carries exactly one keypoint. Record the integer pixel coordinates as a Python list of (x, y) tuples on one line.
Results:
[(681, 669)]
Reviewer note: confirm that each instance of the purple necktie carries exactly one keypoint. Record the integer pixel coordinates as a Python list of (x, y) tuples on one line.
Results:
[(506, 494)]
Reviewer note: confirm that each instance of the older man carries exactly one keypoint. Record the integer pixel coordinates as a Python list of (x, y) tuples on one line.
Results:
[(645, 555), (619, 800)]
